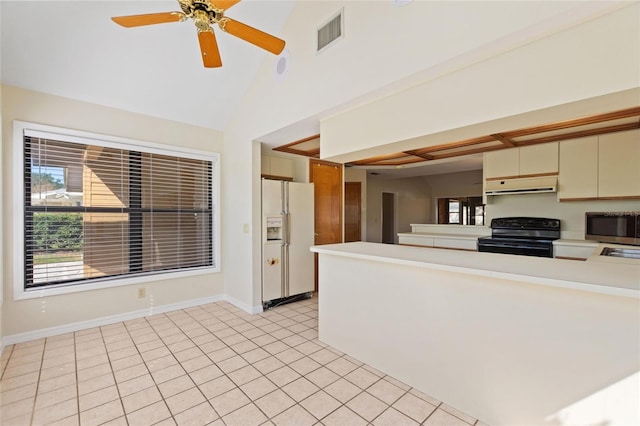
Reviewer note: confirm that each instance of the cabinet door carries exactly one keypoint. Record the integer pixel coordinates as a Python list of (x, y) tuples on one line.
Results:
[(578, 176), (502, 163), (539, 159), (282, 167), (619, 164)]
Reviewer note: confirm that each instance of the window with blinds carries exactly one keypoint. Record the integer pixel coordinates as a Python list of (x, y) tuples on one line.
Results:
[(102, 212)]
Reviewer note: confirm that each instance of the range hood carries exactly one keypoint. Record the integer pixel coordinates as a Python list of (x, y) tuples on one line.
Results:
[(521, 185)]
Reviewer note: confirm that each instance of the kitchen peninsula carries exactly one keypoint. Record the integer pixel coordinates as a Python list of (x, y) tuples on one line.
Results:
[(506, 339)]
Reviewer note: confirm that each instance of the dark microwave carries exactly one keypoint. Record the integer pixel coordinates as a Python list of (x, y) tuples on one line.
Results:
[(613, 227)]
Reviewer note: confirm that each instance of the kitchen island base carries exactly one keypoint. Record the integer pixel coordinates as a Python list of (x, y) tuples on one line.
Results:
[(502, 350)]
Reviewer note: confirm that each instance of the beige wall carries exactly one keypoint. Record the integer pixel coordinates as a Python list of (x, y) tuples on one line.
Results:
[(413, 204), (35, 314), (461, 184)]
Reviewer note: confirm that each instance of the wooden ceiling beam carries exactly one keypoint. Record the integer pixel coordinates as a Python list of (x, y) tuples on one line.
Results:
[(300, 152), (469, 151), (298, 142), (373, 160), (416, 153), (459, 144), (599, 118), (400, 162), (505, 140), (581, 134)]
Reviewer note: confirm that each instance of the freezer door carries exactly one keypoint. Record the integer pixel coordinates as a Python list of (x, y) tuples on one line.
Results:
[(272, 201), (273, 260), (300, 238)]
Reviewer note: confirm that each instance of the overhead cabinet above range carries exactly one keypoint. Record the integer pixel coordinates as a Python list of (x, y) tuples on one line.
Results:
[(526, 161)]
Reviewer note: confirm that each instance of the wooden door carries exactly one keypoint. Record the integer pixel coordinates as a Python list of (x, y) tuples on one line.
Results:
[(327, 188), (352, 211), (327, 183)]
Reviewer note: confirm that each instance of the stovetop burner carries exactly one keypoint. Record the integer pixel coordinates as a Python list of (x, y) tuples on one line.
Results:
[(529, 236)]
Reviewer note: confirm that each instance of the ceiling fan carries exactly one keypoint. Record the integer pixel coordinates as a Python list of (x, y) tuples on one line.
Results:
[(206, 13)]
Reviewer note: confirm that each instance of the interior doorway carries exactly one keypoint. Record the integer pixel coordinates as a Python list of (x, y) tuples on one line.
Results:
[(352, 211), (388, 218)]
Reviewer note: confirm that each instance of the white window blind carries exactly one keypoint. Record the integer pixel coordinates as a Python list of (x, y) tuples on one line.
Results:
[(97, 211)]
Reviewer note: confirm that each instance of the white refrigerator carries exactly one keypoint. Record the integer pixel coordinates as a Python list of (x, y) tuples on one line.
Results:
[(287, 235)]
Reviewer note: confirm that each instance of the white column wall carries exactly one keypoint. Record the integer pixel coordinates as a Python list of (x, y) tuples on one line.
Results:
[(501, 350), (597, 58)]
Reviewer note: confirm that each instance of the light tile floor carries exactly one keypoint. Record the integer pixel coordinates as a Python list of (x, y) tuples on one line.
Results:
[(211, 364)]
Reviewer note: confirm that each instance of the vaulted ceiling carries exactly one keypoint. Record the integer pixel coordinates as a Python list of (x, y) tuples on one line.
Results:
[(73, 49)]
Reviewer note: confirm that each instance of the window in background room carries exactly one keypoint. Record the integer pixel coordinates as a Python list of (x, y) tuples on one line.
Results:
[(97, 211), (461, 211)]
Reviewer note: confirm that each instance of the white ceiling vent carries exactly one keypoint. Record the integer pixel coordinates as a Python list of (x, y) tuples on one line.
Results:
[(330, 32)]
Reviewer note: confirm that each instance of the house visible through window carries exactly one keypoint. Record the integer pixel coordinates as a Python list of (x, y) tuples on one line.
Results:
[(95, 212)]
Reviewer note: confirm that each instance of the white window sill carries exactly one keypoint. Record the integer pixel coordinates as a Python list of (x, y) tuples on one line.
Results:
[(35, 293)]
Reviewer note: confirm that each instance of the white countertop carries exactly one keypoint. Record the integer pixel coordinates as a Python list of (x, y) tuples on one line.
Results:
[(579, 243), (438, 235), (605, 275)]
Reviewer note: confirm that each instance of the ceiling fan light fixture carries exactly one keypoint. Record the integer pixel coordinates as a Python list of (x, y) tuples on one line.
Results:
[(206, 13)]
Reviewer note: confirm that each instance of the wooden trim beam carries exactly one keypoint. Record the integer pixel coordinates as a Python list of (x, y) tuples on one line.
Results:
[(581, 134), (505, 140), (419, 154), (374, 160), (459, 144), (294, 143), (437, 156), (599, 118)]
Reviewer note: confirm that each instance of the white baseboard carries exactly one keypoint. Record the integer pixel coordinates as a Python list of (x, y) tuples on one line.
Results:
[(247, 308), (82, 325)]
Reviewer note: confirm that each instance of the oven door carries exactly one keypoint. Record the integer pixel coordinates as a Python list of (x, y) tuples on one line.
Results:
[(515, 246)]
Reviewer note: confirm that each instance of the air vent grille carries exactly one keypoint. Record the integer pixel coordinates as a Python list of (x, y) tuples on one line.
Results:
[(330, 32)]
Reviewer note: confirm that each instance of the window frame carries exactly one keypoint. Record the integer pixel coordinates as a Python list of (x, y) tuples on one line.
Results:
[(84, 137)]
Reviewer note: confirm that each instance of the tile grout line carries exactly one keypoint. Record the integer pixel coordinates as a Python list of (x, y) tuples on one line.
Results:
[(35, 397), (115, 381)]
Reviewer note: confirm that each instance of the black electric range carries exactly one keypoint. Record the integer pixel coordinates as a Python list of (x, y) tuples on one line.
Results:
[(528, 236)]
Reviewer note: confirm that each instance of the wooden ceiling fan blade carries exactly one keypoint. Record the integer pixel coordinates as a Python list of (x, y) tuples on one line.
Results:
[(209, 49), (253, 35), (224, 4), (149, 19)]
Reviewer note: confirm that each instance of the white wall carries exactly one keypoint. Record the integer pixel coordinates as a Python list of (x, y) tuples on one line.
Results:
[(1, 221), (36, 314), (503, 350), (579, 63), (413, 204)]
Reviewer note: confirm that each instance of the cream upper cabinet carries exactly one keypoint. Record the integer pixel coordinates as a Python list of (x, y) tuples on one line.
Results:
[(539, 159), (619, 164), (505, 162), (277, 166), (578, 177), (524, 161)]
